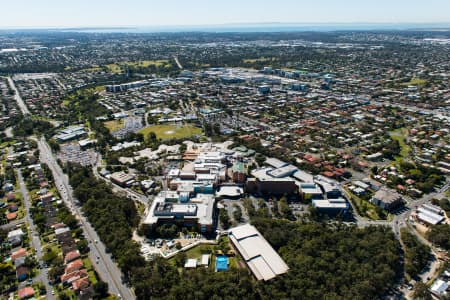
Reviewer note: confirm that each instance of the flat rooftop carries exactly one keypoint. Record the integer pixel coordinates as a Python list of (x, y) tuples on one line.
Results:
[(201, 208), (331, 204)]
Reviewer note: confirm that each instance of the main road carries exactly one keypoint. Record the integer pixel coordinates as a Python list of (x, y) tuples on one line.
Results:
[(105, 267), (35, 240), (18, 98)]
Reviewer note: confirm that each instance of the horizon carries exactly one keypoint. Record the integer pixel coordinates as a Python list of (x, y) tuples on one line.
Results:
[(177, 13), (245, 27)]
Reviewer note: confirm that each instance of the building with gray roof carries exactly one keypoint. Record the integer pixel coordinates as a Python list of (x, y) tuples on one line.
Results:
[(262, 260)]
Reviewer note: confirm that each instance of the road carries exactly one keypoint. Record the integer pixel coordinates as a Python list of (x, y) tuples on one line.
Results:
[(35, 240), (106, 268), (178, 62), (20, 102), (118, 189), (402, 220)]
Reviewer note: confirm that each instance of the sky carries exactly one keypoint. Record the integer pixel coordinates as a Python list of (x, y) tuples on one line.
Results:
[(87, 13)]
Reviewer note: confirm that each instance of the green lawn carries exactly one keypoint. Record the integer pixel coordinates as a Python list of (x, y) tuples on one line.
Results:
[(197, 252), (114, 125), (400, 136), (114, 68), (366, 209), (415, 81), (260, 59), (120, 67), (88, 265), (171, 131)]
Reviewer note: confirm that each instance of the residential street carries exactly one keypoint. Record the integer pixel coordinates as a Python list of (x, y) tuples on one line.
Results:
[(35, 240)]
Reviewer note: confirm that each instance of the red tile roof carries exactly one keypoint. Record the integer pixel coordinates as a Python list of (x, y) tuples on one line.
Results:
[(70, 256), (26, 292), (81, 284), (10, 196), (11, 216), (73, 266), (74, 275), (19, 253)]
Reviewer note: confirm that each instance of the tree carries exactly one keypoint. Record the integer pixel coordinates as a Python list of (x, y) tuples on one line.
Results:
[(63, 296), (237, 213), (53, 145), (416, 253), (101, 289), (49, 256), (207, 128), (260, 159), (180, 259), (83, 246), (216, 128), (421, 292), (224, 218), (374, 170), (440, 235)]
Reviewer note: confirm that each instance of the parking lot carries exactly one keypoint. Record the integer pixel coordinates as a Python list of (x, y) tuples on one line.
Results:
[(73, 153)]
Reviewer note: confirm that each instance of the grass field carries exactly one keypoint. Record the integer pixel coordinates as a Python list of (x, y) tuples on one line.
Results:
[(114, 125), (260, 59), (171, 131), (415, 81), (400, 136), (93, 69), (119, 67), (197, 252), (114, 68)]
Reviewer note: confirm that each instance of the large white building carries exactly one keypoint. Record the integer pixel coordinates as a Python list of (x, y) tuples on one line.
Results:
[(430, 214), (177, 208), (260, 257)]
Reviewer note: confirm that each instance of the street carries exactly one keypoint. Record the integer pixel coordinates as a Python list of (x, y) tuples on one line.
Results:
[(35, 240), (118, 189), (18, 98), (106, 268)]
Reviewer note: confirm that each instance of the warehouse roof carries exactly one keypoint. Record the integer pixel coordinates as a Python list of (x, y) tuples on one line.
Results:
[(429, 216), (262, 259)]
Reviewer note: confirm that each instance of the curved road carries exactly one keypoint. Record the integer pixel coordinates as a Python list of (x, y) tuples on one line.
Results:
[(178, 63)]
